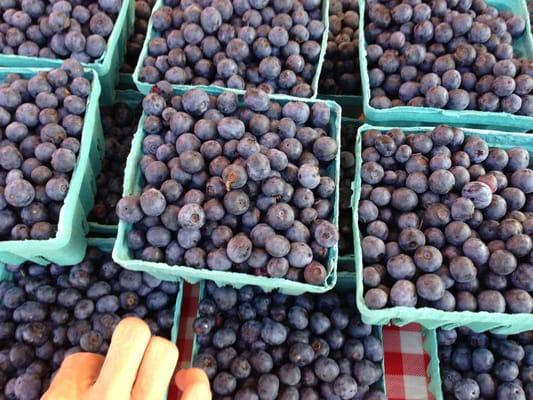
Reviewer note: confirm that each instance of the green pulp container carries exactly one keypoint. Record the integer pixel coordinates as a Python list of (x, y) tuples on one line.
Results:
[(145, 87), (396, 115), (431, 348), (347, 260), (132, 99), (352, 106), (125, 82), (106, 245), (68, 246), (107, 66), (432, 318), (342, 285), (133, 185), (348, 271)]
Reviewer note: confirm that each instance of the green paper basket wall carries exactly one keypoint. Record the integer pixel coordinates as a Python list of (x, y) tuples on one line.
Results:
[(347, 260), (125, 81), (107, 66), (390, 116), (429, 317), (133, 184), (145, 87), (132, 99), (433, 370), (342, 285), (68, 246), (352, 106)]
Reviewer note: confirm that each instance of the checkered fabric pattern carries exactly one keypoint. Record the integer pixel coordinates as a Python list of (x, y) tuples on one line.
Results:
[(186, 333), (405, 360), (405, 363)]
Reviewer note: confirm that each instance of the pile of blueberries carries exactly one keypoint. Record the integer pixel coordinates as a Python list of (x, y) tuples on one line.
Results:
[(143, 10), (57, 29), (256, 345), (340, 70), (447, 222), (485, 365), (271, 44), (348, 135), (233, 187), (454, 54), (49, 312), (41, 121), (120, 124)]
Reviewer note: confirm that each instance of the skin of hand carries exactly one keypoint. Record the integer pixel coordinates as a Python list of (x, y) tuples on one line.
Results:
[(137, 367)]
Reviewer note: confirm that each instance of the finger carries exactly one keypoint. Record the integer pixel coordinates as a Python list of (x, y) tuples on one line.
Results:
[(193, 384), (123, 359), (156, 369), (196, 391), (76, 374)]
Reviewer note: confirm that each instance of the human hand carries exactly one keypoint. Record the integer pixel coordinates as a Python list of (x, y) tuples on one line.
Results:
[(137, 367)]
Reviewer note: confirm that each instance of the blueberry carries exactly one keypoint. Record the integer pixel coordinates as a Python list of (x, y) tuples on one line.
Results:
[(430, 287), (326, 369), (224, 383), (152, 203), (19, 193), (325, 148), (195, 102), (521, 179), (502, 262), (510, 390), (403, 293), (128, 209), (63, 160), (107, 304), (479, 193), (466, 389)]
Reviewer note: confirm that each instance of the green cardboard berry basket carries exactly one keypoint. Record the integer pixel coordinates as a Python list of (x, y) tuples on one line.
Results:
[(68, 246), (431, 348), (352, 106), (145, 87), (342, 285), (433, 370), (106, 245), (430, 317), (404, 114), (125, 81), (133, 184), (347, 260), (132, 98), (107, 66)]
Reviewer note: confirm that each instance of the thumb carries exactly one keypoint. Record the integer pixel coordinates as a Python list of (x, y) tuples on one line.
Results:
[(193, 384)]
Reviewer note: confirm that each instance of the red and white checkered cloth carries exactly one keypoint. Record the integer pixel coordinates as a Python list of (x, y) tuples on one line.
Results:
[(405, 360), (405, 363), (186, 334)]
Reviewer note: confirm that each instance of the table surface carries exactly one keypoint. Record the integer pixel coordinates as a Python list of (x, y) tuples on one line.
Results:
[(405, 360)]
